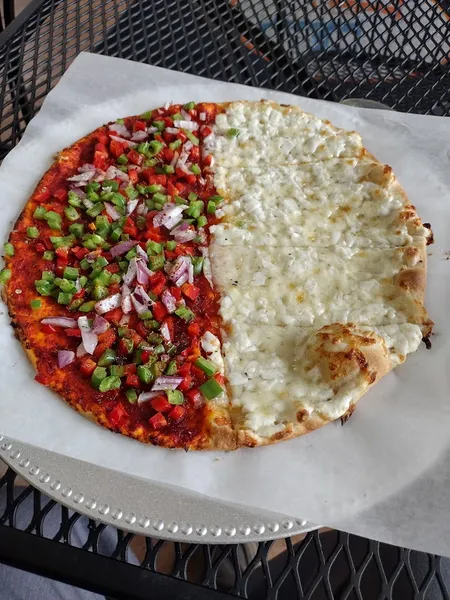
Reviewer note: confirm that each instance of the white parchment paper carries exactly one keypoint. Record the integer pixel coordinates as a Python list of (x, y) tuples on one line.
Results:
[(388, 469)]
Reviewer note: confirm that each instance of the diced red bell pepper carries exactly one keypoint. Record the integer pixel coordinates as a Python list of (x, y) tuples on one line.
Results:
[(123, 348), (142, 330), (176, 413), (185, 369), (60, 194), (100, 349), (159, 311), (73, 332), (176, 293), (191, 179), (194, 329), (157, 278), (161, 404), (168, 154), (190, 291), (155, 179), (87, 366), (158, 421), (174, 109), (180, 187), (48, 243), (113, 268), (220, 379), (114, 316), (130, 228), (79, 294), (194, 397), (48, 329), (103, 138), (205, 131), (117, 148), (39, 247), (135, 157), (186, 383), (101, 158), (132, 380), (108, 337), (61, 264), (62, 252), (159, 137), (42, 195), (168, 121), (133, 176), (81, 253), (130, 369), (145, 355), (169, 321), (117, 413), (194, 154), (171, 189), (139, 125), (137, 339), (207, 160), (182, 136)]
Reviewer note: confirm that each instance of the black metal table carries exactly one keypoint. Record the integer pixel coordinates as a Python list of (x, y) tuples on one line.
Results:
[(276, 44)]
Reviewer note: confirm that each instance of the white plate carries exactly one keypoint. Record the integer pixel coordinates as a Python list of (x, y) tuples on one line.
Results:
[(132, 504)]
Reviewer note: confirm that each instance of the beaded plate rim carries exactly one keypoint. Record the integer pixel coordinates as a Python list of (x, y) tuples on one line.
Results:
[(222, 523)]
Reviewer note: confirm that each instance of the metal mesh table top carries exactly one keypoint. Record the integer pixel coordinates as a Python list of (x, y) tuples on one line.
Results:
[(395, 52), (323, 565)]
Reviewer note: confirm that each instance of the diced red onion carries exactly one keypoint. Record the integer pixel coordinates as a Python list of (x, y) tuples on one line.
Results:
[(126, 299), (186, 116), (141, 294), (167, 105), (59, 322), (138, 306), (65, 357), (185, 168), (189, 125), (146, 396), (139, 136), (100, 325), (86, 176), (142, 253), (152, 129), (122, 140), (131, 206), (190, 273), (183, 279), (182, 234), (202, 116), (174, 160), (180, 267), (81, 350), (131, 273), (143, 272), (172, 130), (122, 248), (86, 167), (99, 175), (120, 129), (113, 173), (112, 212), (140, 209), (169, 216), (90, 339), (107, 304), (201, 180), (169, 301), (167, 382), (164, 331)]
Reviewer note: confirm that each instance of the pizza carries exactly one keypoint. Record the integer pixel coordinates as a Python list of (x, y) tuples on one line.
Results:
[(211, 276)]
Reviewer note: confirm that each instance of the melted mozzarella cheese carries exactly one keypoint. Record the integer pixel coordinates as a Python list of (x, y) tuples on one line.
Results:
[(312, 232), (269, 385), (310, 286), (271, 135), (274, 206)]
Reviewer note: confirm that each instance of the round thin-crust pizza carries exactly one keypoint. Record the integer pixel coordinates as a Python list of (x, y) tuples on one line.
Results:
[(210, 276)]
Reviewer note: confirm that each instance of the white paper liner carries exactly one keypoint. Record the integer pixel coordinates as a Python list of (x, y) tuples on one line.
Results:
[(397, 444)]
